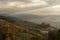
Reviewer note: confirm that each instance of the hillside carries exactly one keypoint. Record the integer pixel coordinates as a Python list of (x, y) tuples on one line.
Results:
[(10, 30)]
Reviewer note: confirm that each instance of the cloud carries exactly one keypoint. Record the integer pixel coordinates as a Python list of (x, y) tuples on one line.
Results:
[(54, 2), (11, 4), (35, 7), (22, 4), (56, 6), (52, 10)]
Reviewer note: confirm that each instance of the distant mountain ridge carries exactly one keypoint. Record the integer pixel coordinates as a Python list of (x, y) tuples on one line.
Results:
[(23, 23), (50, 19)]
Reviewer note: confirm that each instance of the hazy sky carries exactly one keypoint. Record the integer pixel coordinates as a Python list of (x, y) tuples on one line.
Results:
[(35, 7)]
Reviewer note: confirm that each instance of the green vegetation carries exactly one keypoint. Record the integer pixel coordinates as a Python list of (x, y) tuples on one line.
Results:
[(12, 29), (54, 35)]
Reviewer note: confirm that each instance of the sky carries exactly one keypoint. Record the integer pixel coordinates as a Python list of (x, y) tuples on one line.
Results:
[(34, 7)]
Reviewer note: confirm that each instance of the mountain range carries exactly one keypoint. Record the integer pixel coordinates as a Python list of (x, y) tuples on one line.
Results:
[(50, 19)]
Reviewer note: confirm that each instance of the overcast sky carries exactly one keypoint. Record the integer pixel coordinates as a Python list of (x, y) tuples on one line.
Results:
[(35, 7)]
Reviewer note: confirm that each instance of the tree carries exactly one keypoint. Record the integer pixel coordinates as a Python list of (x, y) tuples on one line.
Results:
[(52, 35), (58, 34)]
